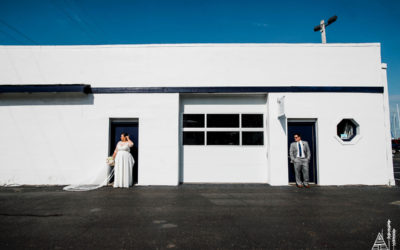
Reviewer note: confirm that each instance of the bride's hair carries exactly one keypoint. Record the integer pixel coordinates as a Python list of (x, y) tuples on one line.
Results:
[(125, 134)]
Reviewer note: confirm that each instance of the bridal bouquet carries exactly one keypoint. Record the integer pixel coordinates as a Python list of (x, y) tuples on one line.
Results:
[(110, 161)]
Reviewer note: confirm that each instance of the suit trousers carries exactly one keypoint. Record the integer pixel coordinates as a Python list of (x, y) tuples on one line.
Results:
[(301, 165)]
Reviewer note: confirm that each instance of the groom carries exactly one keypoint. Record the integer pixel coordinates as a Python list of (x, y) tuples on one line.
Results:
[(300, 156)]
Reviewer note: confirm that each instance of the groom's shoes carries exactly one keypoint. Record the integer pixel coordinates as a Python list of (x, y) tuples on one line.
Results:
[(299, 186)]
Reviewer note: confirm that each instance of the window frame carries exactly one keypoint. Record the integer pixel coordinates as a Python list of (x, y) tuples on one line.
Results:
[(253, 132), (204, 121), (239, 129), (353, 126), (241, 120), (225, 131), (358, 135), (204, 138), (216, 114)]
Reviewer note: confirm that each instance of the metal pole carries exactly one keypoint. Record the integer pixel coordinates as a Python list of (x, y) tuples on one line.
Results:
[(323, 35)]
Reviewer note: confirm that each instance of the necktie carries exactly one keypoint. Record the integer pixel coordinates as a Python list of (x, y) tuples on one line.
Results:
[(300, 150)]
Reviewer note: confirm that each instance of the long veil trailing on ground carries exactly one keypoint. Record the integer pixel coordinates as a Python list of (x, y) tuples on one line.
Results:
[(101, 179)]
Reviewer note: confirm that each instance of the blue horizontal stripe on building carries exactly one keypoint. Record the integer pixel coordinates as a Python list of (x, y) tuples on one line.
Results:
[(86, 88)]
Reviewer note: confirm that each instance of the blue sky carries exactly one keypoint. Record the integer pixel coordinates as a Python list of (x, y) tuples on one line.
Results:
[(67, 22)]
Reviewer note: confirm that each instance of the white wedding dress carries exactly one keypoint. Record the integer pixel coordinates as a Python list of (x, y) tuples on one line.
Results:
[(99, 179), (123, 168)]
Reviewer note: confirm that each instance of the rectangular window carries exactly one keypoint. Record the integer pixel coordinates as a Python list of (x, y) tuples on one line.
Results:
[(222, 129), (252, 138), (193, 138), (252, 120), (222, 138), (223, 120), (193, 120)]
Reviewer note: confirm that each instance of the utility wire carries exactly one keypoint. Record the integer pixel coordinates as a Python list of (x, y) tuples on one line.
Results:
[(72, 19), (9, 35), (80, 18), (17, 31), (91, 21)]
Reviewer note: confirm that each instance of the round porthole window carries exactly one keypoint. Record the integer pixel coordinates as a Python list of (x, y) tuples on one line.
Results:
[(347, 129)]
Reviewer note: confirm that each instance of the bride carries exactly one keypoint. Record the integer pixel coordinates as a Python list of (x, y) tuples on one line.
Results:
[(123, 166), (122, 171)]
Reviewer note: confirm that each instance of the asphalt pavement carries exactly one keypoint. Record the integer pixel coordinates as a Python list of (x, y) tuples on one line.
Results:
[(197, 217)]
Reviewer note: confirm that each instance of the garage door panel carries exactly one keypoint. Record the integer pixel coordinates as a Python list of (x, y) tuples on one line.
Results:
[(224, 164)]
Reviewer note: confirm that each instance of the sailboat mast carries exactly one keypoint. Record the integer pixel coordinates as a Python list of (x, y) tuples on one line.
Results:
[(398, 115), (394, 133)]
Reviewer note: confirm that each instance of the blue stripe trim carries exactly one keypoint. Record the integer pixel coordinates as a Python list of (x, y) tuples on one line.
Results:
[(294, 89), (86, 88), (37, 88)]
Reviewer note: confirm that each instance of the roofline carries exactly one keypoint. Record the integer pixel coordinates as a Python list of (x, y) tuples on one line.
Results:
[(192, 45)]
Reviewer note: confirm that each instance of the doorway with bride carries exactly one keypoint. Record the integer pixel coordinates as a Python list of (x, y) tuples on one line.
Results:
[(125, 125)]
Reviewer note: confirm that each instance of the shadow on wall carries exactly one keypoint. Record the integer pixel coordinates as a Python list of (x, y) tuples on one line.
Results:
[(223, 99), (22, 99), (282, 121)]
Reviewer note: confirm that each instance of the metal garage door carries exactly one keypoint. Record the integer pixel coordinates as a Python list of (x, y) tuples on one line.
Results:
[(223, 138)]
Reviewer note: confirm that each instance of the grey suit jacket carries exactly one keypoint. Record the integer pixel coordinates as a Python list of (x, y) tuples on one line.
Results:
[(293, 150)]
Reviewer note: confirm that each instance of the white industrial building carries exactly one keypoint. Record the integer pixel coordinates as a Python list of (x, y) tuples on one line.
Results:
[(199, 113)]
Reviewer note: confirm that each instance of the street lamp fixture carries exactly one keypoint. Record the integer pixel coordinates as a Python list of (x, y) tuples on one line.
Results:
[(322, 25)]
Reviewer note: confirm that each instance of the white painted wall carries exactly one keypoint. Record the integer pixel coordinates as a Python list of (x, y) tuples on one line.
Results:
[(193, 65), (363, 161), (63, 138), (224, 163), (388, 136)]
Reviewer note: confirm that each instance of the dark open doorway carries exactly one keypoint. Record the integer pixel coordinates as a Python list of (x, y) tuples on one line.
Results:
[(307, 131), (130, 126)]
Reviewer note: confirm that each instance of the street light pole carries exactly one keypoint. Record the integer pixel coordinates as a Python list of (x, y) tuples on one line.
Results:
[(323, 34), (321, 27)]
